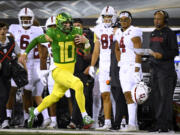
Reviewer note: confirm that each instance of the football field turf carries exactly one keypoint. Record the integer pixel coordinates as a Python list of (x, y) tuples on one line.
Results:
[(73, 132)]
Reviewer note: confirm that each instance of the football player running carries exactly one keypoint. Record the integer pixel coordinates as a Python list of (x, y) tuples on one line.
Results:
[(63, 40), (128, 38), (104, 39), (46, 76), (23, 33)]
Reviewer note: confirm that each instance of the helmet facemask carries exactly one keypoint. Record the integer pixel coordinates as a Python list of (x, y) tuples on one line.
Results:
[(26, 17), (107, 20), (26, 21), (109, 16), (64, 22)]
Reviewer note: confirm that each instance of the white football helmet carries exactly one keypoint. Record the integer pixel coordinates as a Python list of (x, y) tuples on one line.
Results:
[(26, 12), (140, 92), (109, 11), (50, 21)]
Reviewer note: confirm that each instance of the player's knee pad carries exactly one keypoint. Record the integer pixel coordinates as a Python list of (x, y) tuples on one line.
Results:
[(77, 85), (128, 97)]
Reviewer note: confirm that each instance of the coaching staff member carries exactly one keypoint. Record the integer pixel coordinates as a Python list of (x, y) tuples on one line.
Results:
[(163, 42), (7, 47)]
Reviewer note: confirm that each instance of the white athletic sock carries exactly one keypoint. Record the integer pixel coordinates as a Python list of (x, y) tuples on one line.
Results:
[(53, 118), (96, 107), (132, 112), (36, 112), (107, 121), (84, 114), (45, 114), (9, 113)]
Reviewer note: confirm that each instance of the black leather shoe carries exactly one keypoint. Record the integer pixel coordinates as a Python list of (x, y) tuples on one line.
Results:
[(114, 128), (154, 129), (163, 130)]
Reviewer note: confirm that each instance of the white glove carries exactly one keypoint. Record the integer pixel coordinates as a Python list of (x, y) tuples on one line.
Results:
[(43, 76), (137, 77), (91, 71)]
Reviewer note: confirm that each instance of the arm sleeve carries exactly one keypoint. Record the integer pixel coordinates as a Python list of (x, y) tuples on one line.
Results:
[(34, 42), (172, 49)]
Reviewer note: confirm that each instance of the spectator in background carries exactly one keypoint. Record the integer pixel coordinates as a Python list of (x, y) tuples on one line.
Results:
[(81, 70), (7, 47), (163, 43)]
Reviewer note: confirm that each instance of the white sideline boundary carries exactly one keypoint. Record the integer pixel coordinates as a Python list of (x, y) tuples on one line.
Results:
[(86, 132)]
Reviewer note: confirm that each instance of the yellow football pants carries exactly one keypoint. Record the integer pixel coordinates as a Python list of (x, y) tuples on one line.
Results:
[(63, 81)]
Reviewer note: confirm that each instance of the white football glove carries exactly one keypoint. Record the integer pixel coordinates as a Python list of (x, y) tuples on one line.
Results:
[(43, 76), (137, 77), (91, 71)]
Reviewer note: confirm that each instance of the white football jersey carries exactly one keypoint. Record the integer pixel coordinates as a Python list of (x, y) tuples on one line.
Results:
[(126, 44), (105, 36), (24, 37)]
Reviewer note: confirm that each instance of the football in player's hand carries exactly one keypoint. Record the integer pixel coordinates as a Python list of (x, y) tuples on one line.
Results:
[(77, 40)]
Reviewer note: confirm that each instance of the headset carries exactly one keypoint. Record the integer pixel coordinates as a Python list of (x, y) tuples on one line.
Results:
[(166, 16)]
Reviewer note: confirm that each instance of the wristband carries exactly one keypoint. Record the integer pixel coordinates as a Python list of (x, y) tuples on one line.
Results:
[(25, 53), (87, 45)]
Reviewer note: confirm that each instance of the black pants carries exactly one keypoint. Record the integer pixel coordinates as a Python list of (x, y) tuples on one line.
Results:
[(163, 86), (121, 106), (4, 95), (88, 86)]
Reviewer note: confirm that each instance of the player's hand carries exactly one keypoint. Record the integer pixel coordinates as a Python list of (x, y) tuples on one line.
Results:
[(22, 58), (86, 71), (80, 39), (156, 55), (137, 77), (92, 71), (43, 75)]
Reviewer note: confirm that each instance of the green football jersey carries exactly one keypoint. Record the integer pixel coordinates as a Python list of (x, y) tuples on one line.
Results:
[(63, 47)]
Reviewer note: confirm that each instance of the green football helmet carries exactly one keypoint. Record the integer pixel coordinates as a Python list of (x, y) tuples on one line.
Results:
[(61, 19)]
